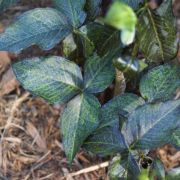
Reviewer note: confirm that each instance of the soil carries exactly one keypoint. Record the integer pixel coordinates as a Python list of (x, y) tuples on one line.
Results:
[(30, 143)]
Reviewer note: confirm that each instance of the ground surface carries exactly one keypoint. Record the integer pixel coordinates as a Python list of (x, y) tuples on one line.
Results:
[(30, 143)]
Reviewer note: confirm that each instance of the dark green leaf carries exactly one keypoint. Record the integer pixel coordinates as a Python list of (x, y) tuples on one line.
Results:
[(124, 167), (4, 4), (161, 82), (98, 74), (105, 141), (152, 125), (79, 119), (176, 138), (103, 38), (73, 10), (129, 66), (55, 79), (157, 171), (134, 3), (157, 33), (93, 9), (119, 105), (42, 26), (84, 44)]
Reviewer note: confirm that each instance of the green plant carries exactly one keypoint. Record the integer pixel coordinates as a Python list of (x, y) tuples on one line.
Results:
[(128, 125)]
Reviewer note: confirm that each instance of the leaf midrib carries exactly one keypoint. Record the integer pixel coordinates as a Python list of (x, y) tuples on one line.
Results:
[(77, 123), (107, 40), (156, 33), (73, 13), (154, 124), (88, 83), (29, 37)]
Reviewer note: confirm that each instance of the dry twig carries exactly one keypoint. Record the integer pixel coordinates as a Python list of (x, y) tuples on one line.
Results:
[(87, 170)]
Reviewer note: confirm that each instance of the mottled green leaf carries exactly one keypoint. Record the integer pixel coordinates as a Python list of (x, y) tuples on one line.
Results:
[(134, 3), (105, 141), (129, 66), (124, 167), (55, 79), (42, 26), (4, 4), (119, 105), (161, 82), (105, 39), (152, 125), (122, 17), (157, 33), (98, 74), (176, 138), (93, 9), (84, 44), (157, 170), (73, 10), (79, 119)]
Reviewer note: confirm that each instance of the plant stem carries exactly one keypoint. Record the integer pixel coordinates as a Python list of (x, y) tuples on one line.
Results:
[(120, 84)]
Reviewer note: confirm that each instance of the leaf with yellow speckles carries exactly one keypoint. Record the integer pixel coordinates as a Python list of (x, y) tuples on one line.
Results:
[(44, 27), (55, 79), (152, 125), (79, 119), (73, 10), (161, 82), (157, 33)]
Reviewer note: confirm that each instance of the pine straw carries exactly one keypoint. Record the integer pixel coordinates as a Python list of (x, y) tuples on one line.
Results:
[(30, 145)]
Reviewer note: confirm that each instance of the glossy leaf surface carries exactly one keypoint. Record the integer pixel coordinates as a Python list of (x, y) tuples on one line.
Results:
[(129, 66), (157, 33), (55, 79), (85, 45), (73, 10), (44, 27), (103, 38), (152, 125), (161, 82), (98, 74), (79, 119), (124, 167), (105, 141)]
